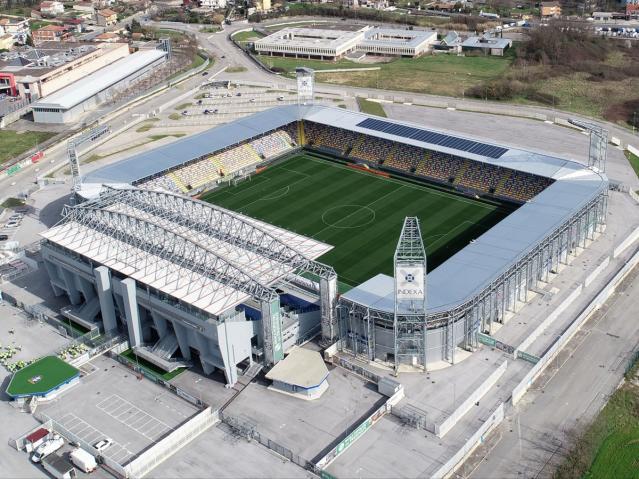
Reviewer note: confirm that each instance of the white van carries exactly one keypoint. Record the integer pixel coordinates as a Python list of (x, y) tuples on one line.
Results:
[(83, 460), (46, 448)]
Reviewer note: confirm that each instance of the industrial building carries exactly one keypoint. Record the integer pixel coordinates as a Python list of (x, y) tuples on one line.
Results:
[(69, 103), (34, 73), (334, 44), (191, 281)]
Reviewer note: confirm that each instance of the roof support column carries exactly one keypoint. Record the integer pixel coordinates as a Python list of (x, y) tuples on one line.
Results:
[(69, 282), (328, 298), (272, 330), (131, 312), (105, 296)]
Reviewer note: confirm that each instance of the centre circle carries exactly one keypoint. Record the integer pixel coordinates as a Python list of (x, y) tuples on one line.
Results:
[(348, 216)]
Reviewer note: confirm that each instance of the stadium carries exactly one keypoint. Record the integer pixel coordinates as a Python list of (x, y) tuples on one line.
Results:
[(228, 247)]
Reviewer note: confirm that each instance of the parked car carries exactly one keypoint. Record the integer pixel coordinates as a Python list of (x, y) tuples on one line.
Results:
[(103, 444), (280, 98), (205, 73), (12, 224), (47, 447), (4, 237)]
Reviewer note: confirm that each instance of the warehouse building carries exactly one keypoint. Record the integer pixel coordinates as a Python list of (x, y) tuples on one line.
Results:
[(334, 44), (34, 73), (69, 103)]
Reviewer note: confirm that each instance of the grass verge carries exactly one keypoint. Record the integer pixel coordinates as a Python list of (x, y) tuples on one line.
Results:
[(370, 107), (150, 367), (633, 160), (14, 144)]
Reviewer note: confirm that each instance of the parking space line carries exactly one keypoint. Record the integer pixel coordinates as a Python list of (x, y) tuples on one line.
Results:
[(136, 419)]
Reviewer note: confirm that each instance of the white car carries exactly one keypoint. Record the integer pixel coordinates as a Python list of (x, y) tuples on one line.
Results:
[(12, 224), (46, 448), (102, 444)]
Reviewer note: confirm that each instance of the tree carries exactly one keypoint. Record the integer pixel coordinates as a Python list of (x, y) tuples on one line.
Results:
[(217, 19), (29, 41)]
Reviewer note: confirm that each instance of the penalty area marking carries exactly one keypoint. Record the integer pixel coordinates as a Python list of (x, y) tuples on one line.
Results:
[(334, 224)]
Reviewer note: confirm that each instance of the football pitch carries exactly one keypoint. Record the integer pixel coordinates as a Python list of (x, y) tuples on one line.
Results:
[(41, 376), (359, 213)]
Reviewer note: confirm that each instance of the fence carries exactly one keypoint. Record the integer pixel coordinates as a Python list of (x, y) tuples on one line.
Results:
[(600, 299), (20, 442), (249, 431), (453, 419), (114, 466), (365, 373), (552, 317), (360, 430), (172, 443), (477, 438), (115, 354)]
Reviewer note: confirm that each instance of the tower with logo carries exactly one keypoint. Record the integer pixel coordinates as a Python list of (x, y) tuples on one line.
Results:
[(305, 85), (410, 297)]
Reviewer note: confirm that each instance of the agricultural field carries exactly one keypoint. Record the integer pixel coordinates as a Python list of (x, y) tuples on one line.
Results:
[(438, 75), (358, 213)]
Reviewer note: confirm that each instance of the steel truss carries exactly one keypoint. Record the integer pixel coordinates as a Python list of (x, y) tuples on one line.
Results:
[(142, 226), (360, 326), (409, 325)]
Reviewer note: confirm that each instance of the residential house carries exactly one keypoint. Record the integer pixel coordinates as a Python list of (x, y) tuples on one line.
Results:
[(51, 33), (107, 17), (16, 27), (550, 9), (213, 4), (51, 8), (6, 41), (107, 37)]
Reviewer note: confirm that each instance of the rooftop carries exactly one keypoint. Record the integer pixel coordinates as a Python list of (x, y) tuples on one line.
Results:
[(395, 36), (81, 90), (310, 36), (48, 56), (486, 42), (212, 266), (301, 367)]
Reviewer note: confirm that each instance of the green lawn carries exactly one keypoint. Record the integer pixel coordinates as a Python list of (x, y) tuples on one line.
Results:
[(609, 447), (359, 213), (150, 367), (51, 371), (14, 144), (440, 75), (634, 161), (247, 36), (370, 107)]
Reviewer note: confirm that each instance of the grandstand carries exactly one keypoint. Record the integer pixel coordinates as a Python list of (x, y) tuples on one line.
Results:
[(331, 187)]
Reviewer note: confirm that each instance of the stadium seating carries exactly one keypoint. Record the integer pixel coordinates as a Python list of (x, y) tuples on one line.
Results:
[(480, 176), (332, 139), (439, 166), (404, 157), (370, 149), (522, 187), (273, 144), (161, 183)]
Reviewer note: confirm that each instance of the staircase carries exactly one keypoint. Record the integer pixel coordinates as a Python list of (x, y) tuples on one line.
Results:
[(166, 346), (178, 182), (462, 171), (300, 133), (390, 155), (502, 181)]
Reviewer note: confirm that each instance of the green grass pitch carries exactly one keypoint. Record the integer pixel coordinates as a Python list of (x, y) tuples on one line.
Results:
[(51, 371), (358, 213)]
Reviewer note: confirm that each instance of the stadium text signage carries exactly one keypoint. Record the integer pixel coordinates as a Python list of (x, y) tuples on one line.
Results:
[(410, 283)]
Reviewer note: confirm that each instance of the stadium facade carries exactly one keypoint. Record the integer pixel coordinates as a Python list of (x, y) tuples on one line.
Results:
[(189, 280)]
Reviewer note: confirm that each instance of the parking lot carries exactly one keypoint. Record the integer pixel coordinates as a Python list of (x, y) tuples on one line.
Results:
[(112, 402)]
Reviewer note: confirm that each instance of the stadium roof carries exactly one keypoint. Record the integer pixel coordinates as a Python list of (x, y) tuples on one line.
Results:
[(192, 147), (465, 273), (100, 80), (196, 252)]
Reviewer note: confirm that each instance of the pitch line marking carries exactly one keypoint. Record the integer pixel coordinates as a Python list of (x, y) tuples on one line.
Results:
[(365, 206), (359, 208)]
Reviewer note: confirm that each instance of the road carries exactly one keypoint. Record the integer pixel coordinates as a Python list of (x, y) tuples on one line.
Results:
[(535, 435)]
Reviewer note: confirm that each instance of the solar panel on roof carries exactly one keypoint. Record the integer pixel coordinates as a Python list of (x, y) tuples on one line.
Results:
[(433, 137)]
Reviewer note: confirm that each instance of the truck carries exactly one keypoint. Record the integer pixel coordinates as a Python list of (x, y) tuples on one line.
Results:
[(46, 448), (83, 460), (58, 467)]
